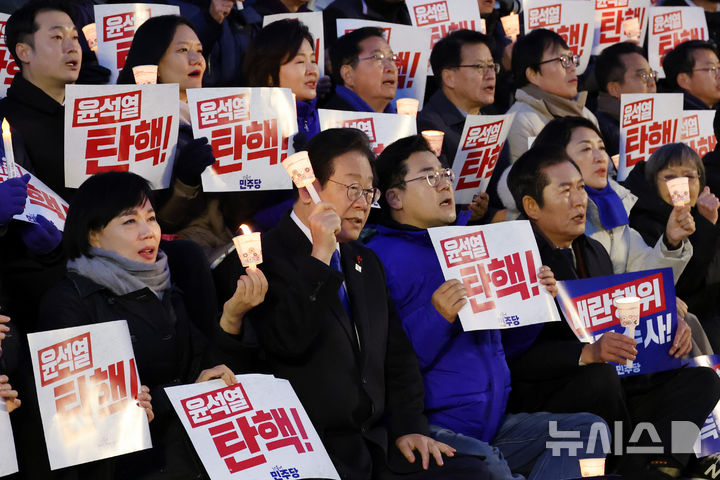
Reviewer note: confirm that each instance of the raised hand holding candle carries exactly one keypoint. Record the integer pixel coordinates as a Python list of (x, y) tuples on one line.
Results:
[(300, 170), (9, 155), (628, 311), (249, 247)]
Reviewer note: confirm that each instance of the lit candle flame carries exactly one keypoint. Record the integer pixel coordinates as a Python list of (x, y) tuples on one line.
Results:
[(245, 229), (5, 127)]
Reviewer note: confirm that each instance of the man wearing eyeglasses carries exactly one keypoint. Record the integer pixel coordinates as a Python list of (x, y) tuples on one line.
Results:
[(620, 68), (365, 72), (329, 326), (693, 68), (467, 381)]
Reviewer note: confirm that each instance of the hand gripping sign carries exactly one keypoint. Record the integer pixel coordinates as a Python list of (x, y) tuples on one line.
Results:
[(571, 19), (619, 21), (441, 17), (500, 277), (8, 460), (256, 428), (669, 27), (480, 145), (409, 44), (381, 128), (696, 131), (121, 128), (314, 22), (40, 200), (708, 442), (647, 122), (116, 25), (86, 382), (8, 68), (249, 130), (590, 308)]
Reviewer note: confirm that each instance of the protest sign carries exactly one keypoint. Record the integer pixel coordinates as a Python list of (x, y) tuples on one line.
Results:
[(612, 18), (647, 122), (500, 276), (8, 460), (256, 428), (86, 382), (589, 308), (697, 131), (573, 20), (8, 68), (708, 442), (441, 17), (669, 27), (314, 22), (40, 200), (409, 44), (381, 128), (480, 145), (121, 128), (116, 25), (249, 130)]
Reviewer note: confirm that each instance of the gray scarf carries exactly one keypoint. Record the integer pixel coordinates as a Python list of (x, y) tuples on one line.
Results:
[(121, 275), (556, 105)]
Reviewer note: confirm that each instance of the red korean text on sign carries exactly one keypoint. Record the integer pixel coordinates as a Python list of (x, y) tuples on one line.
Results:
[(604, 4), (407, 65), (46, 200), (498, 278), (544, 17), (257, 140), (434, 12), (464, 249), (611, 22), (223, 111), (668, 41), (643, 134), (690, 127), (702, 145), (64, 359), (120, 28), (667, 22), (216, 405), (242, 441), (440, 31), (574, 35), (8, 67), (107, 109), (482, 141)]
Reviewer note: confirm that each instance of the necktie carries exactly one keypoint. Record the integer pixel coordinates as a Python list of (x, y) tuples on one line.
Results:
[(335, 263)]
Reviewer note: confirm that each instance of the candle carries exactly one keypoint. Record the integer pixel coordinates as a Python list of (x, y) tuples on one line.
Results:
[(511, 25), (300, 170), (434, 139), (9, 156), (249, 247), (90, 32), (628, 311)]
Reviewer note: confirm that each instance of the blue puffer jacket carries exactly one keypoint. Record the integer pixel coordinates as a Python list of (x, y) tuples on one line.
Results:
[(467, 380)]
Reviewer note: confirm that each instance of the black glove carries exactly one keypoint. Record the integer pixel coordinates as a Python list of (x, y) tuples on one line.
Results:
[(192, 161)]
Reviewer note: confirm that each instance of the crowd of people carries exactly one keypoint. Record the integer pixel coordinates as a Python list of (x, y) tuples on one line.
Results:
[(350, 303)]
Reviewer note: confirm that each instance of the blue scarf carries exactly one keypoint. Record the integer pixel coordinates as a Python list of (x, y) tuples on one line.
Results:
[(307, 117), (612, 211), (357, 103)]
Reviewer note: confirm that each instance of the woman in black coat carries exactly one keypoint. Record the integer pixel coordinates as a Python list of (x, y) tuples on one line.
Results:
[(699, 283), (116, 271)]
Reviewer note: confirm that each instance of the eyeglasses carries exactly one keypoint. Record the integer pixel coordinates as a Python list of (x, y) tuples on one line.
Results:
[(692, 177), (566, 61), (714, 70), (355, 191), (483, 68), (434, 178), (646, 76), (380, 58)]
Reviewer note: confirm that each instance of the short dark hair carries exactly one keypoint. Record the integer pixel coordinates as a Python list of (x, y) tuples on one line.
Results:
[(672, 154), (446, 54), (528, 52), (21, 26), (99, 199), (609, 67), (275, 45), (333, 142), (151, 41), (391, 164), (557, 132), (527, 175), (346, 49), (681, 60)]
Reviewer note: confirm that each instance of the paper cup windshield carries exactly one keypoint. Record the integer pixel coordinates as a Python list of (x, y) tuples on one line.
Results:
[(407, 106), (249, 247), (145, 74), (679, 189), (299, 168), (434, 139), (628, 310)]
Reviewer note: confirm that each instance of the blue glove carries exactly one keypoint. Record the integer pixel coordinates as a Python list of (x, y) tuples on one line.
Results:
[(193, 159), (13, 193), (41, 237)]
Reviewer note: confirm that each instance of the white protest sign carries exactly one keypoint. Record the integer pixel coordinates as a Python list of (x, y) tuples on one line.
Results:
[(86, 382), (116, 25), (647, 122), (8, 460), (696, 131), (669, 27), (8, 68), (500, 276), (441, 17), (314, 22), (40, 200), (381, 128), (121, 128), (256, 428), (480, 145), (249, 130), (409, 44), (609, 18), (573, 20)]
